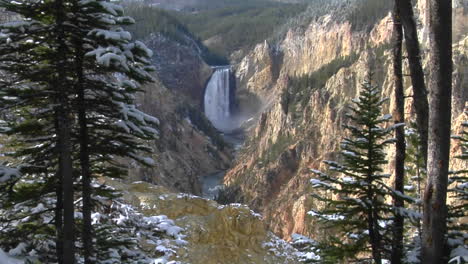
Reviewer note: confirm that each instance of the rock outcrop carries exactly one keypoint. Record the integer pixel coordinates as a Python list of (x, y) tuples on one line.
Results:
[(214, 234), (293, 136)]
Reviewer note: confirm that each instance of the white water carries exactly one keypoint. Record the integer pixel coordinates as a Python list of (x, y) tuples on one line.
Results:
[(217, 100), (217, 103), (211, 184)]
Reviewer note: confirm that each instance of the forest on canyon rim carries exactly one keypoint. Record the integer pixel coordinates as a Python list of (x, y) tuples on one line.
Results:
[(347, 140)]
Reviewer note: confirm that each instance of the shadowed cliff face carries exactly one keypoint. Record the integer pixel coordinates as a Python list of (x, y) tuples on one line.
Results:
[(188, 145), (179, 66), (300, 128)]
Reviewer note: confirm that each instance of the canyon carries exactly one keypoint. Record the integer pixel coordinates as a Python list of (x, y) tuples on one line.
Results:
[(291, 137), (288, 131), (242, 126)]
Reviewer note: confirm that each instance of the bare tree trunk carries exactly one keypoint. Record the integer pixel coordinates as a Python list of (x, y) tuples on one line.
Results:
[(86, 181), (59, 218), (84, 160), (420, 100), (87, 229), (65, 163), (399, 116), (64, 144), (435, 197)]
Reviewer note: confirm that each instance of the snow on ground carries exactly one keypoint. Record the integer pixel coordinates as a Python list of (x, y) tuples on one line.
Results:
[(6, 259)]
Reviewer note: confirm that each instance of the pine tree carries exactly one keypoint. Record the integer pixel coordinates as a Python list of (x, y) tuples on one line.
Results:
[(32, 99), (457, 229), (458, 206), (63, 112), (415, 169), (359, 214), (415, 178), (104, 121), (102, 48)]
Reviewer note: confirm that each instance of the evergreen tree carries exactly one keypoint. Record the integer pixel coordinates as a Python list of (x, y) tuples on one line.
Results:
[(458, 206), (102, 48), (63, 123), (32, 99), (415, 169), (358, 215), (415, 178), (103, 120)]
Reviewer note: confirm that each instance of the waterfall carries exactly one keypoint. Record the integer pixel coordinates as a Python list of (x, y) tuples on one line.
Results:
[(217, 99)]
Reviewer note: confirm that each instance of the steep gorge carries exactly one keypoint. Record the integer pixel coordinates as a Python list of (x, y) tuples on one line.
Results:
[(300, 128), (297, 86), (188, 145), (297, 126)]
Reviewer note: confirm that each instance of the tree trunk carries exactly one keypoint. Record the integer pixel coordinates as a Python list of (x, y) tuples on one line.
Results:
[(84, 158), (372, 217), (65, 163), (64, 144), (84, 147), (420, 100), (376, 237), (59, 218), (373, 229), (435, 197), (399, 117), (86, 182), (373, 236)]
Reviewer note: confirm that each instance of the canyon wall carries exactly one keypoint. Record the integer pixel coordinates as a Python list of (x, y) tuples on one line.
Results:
[(300, 128), (188, 146), (179, 65)]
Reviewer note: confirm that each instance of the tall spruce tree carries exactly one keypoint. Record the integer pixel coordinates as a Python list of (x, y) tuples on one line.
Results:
[(104, 122), (358, 214), (32, 97), (61, 99), (109, 123), (458, 196), (34, 61)]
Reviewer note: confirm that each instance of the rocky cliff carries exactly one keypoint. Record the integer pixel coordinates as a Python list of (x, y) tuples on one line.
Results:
[(301, 127), (188, 146), (179, 65), (208, 232)]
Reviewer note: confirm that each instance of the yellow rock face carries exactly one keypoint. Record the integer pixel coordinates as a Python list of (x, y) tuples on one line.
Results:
[(310, 132), (216, 234)]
